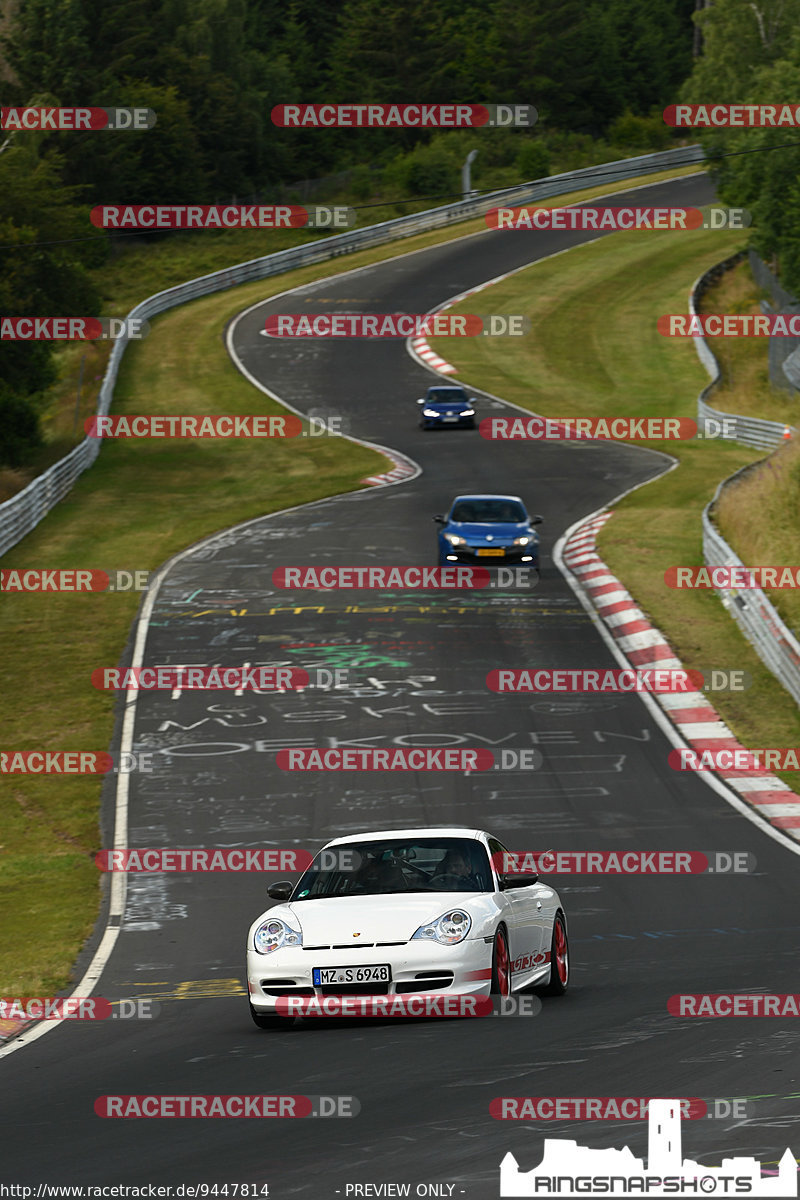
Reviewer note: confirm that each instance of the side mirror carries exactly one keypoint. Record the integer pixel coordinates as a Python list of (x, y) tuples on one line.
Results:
[(515, 881), (536, 520), (421, 400), (440, 520), (280, 891)]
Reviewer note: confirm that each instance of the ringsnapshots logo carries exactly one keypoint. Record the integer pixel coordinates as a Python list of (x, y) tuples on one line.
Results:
[(404, 116), (396, 325), (568, 1169), (44, 119), (221, 216)]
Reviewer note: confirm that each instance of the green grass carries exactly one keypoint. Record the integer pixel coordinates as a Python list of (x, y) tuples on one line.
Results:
[(141, 502), (595, 351)]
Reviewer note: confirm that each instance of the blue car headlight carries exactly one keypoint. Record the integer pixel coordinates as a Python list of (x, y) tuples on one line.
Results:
[(468, 412), (430, 412), (447, 930), (273, 934), (454, 539)]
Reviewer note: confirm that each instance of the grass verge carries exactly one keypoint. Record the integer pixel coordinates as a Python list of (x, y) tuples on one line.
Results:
[(596, 352)]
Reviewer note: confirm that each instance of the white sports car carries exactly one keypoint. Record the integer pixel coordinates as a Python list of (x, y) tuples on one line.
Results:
[(406, 910)]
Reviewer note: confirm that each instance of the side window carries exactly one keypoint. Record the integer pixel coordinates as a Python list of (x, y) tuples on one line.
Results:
[(497, 850)]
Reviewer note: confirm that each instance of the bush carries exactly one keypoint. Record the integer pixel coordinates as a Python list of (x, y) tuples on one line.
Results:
[(20, 434)]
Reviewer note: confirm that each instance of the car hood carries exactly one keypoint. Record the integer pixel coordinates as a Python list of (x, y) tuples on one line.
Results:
[(447, 406), (385, 918)]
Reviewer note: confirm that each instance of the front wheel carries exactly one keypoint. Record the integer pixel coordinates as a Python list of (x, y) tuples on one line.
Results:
[(268, 1021), (559, 959), (501, 966)]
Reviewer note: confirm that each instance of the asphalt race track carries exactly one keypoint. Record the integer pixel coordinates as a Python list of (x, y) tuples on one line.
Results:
[(417, 666)]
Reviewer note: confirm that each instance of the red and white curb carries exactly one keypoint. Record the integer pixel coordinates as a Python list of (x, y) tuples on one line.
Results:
[(431, 358), (10, 1027), (403, 469), (692, 714)]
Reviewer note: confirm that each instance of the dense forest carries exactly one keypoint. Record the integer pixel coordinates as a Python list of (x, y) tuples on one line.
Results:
[(598, 71)]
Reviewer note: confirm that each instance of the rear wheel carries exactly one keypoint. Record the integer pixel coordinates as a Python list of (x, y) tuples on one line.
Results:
[(559, 959), (268, 1021), (501, 965)]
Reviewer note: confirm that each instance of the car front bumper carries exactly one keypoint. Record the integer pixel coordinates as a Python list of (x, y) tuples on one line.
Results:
[(417, 968)]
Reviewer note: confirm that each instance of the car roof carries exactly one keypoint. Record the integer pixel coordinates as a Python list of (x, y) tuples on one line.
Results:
[(488, 496), (445, 387), (453, 831)]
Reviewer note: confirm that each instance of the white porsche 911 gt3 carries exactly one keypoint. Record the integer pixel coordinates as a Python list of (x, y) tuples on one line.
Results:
[(406, 911)]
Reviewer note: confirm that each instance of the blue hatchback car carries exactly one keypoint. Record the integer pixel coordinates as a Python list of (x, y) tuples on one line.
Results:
[(488, 530), (443, 406)]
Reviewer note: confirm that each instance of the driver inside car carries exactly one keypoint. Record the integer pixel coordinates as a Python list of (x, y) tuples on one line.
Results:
[(454, 872)]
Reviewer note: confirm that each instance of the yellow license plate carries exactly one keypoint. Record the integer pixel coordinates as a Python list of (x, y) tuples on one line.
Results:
[(492, 553)]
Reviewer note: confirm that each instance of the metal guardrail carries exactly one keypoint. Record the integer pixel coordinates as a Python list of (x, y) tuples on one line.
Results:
[(757, 618), (750, 431), (21, 514)]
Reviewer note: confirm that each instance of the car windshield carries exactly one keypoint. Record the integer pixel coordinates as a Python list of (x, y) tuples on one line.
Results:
[(395, 866), (487, 511), (445, 395)]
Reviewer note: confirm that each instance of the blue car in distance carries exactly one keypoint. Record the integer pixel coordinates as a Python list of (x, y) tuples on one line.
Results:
[(441, 406), (488, 530)]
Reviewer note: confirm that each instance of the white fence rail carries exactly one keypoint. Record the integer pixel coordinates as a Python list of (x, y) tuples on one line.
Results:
[(750, 431), (758, 620), (21, 514)]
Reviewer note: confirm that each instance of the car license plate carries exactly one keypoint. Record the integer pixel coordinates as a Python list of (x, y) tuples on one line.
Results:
[(323, 976), (492, 553), (449, 418)]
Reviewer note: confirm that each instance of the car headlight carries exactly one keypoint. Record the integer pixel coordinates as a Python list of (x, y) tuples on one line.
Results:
[(524, 541), (454, 539), (430, 412), (468, 412), (447, 930), (273, 934)]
